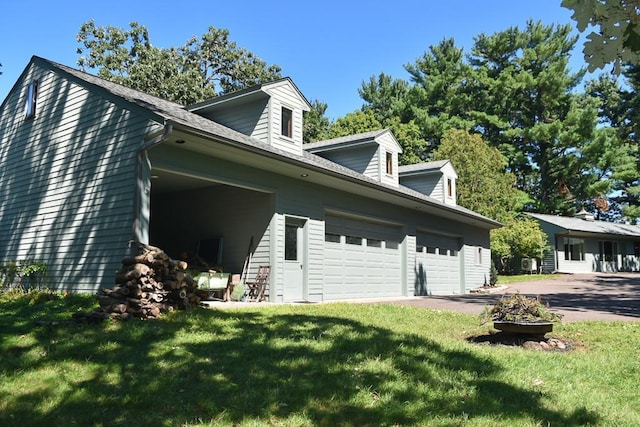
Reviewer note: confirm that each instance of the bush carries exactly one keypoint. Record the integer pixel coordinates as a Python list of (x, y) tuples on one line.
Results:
[(23, 273), (493, 274)]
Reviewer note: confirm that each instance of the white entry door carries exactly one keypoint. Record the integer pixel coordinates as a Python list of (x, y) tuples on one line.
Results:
[(294, 267)]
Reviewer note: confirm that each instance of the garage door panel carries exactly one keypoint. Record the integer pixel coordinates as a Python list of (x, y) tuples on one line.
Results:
[(367, 269), (439, 258)]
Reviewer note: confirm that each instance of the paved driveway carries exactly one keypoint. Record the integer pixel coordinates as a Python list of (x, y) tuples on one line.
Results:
[(578, 297)]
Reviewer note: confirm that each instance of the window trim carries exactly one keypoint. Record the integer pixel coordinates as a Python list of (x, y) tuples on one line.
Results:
[(389, 162), (569, 243)]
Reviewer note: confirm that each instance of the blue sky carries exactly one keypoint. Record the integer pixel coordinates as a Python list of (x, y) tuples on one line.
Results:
[(327, 47)]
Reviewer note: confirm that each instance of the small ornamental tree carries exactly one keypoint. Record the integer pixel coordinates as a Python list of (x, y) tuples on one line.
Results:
[(520, 236)]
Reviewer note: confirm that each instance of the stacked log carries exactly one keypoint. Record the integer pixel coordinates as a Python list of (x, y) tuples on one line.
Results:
[(149, 284)]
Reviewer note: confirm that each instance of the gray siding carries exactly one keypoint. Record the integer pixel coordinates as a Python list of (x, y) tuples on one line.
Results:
[(67, 181), (251, 118), (363, 159), (430, 185)]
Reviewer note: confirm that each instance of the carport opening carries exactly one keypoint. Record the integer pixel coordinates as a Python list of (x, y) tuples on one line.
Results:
[(208, 224)]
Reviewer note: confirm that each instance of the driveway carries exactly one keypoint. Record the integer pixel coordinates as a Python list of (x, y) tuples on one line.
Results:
[(578, 297)]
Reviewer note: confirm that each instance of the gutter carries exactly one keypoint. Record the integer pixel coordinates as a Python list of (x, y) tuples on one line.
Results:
[(142, 189)]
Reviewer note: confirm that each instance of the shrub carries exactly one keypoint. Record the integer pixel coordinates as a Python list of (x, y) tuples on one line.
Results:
[(23, 273), (493, 274)]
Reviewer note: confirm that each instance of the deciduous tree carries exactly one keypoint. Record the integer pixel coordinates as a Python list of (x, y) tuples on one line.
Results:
[(483, 184), (615, 38), (197, 70), (520, 237), (355, 122)]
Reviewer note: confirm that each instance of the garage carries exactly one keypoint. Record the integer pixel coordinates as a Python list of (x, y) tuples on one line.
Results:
[(362, 258), (437, 264)]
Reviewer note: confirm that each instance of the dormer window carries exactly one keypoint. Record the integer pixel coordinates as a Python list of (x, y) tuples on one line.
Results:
[(287, 122), (449, 187), (30, 104), (389, 163)]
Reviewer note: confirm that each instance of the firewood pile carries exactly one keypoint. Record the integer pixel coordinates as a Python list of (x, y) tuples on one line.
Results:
[(147, 285)]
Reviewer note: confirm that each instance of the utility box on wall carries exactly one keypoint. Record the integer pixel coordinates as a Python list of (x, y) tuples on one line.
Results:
[(529, 265)]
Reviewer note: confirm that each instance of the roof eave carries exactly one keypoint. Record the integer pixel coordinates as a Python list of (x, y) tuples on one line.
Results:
[(418, 198)]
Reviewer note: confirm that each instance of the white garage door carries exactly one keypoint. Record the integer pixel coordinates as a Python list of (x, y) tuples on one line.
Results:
[(361, 259), (437, 264)]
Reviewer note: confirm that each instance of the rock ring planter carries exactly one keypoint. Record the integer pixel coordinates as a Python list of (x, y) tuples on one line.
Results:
[(524, 328)]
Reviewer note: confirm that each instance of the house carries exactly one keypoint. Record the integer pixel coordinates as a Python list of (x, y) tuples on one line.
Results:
[(580, 244), (88, 166)]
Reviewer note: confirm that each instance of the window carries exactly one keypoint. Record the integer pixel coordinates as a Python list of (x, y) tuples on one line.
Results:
[(30, 104), (449, 187), (374, 243), (389, 163), (390, 244), (287, 122), (478, 260), (353, 240), (609, 251), (332, 237), (573, 249), (291, 242)]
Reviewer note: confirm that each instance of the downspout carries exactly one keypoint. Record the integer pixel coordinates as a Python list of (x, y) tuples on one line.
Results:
[(143, 188)]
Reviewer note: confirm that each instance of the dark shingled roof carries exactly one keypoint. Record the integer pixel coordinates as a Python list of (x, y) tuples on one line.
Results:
[(177, 114), (420, 167), (364, 136)]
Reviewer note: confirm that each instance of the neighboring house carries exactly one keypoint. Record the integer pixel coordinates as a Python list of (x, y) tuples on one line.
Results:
[(88, 166), (581, 244)]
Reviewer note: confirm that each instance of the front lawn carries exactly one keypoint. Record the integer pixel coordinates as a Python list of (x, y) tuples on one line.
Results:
[(517, 278), (304, 365)]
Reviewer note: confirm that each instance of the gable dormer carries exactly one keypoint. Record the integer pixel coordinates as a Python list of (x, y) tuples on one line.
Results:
[(435, 179), (271, 112), (373, 154)]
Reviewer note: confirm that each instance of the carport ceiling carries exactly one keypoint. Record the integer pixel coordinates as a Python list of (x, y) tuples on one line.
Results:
[(167, 182)]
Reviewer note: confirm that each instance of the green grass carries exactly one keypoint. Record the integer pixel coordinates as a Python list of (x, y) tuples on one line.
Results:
[(516, 278), (304, 365)]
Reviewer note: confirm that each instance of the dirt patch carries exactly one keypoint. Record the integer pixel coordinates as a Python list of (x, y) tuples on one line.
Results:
[(530, 342)]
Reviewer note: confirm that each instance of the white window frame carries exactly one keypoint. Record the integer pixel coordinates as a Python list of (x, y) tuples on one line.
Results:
[(388, 163), (286, 128)]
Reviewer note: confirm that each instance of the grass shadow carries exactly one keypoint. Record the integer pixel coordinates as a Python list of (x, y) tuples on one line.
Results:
[(235, 367)]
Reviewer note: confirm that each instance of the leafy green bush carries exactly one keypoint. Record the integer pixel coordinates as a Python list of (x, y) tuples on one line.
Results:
[(23, 273)]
